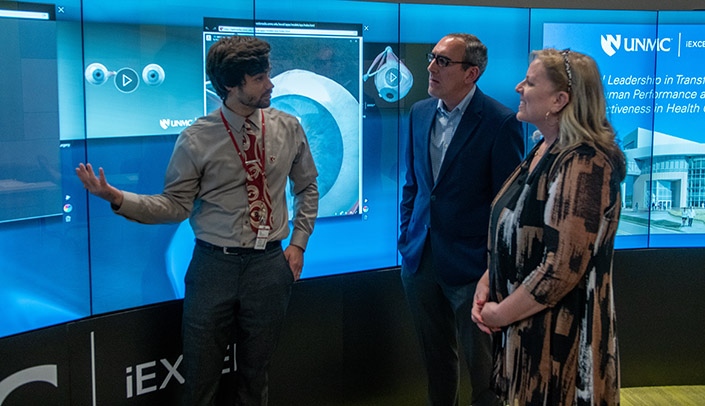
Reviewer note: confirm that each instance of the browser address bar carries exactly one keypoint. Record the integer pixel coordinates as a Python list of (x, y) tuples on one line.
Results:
[(34, 15), (293, 31), (226, 28), (304, 31)]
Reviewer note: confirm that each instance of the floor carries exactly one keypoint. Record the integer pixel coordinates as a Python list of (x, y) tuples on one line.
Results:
[(663, 396)]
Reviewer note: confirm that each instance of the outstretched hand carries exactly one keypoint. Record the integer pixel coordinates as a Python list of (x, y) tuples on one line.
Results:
[(98, 185)]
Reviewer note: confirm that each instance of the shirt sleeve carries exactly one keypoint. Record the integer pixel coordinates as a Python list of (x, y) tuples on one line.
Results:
[(174, 204), (304, 187), (578, 207)]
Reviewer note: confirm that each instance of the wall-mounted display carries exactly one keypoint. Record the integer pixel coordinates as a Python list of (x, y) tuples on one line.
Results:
[(114, 83)]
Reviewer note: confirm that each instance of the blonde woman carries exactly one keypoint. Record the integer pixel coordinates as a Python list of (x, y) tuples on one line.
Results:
[(547, 295)]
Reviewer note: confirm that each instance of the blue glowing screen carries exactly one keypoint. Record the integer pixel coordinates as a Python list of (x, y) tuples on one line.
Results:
[(113, 83)]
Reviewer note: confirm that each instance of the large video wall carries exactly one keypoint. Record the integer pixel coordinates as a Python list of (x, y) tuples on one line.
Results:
[(113, 83)]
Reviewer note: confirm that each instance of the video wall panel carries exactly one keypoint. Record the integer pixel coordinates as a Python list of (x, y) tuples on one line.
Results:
[(677, 175), (44, 262), (587, 32), (119, 81), (654, 86)]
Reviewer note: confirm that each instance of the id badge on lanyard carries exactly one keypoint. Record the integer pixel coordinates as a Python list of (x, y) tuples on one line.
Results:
[(262, 235)]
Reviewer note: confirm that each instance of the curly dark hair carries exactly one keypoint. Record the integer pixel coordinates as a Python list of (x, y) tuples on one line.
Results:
[(232, 57)]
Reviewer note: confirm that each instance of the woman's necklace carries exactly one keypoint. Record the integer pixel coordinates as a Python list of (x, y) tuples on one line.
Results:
[(545, 146), (541, 151), (539, 154)]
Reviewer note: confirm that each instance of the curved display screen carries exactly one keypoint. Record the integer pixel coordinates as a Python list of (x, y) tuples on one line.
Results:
[(114, 83)]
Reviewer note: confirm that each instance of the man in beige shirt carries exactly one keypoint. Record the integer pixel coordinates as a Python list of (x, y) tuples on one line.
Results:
[(228, 174)]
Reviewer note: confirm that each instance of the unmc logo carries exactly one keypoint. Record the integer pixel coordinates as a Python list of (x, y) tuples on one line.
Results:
[(612, 43), (166, 123)]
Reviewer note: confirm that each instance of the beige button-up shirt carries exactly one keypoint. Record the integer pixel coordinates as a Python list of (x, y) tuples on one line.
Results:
[(205, 181)]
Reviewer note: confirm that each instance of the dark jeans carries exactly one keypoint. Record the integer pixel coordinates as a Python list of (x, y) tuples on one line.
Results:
[(441, 315), (243, 296)]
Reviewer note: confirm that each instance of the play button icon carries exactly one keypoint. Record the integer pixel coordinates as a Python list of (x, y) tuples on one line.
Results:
[(126, 80), (392, 76)]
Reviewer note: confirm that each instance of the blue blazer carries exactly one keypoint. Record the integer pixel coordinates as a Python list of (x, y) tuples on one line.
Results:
[(454, 212)]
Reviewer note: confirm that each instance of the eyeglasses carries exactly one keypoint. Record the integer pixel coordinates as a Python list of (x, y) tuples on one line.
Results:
[(442, 61), (568, 70)]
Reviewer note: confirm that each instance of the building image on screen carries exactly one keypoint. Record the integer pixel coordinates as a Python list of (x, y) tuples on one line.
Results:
[(671, 185)]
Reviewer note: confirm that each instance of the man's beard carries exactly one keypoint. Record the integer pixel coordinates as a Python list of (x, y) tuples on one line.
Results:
[(260, 103)]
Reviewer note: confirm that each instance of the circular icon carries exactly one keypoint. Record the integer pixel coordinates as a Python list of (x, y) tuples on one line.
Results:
[(96, 73), (392, 76), (153, 74), (126, 80), (329, 115)]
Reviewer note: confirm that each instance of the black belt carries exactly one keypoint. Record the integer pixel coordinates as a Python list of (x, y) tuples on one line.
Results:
[(238, 250)]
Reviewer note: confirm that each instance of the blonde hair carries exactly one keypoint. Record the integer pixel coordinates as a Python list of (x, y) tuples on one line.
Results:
[(583, 120)]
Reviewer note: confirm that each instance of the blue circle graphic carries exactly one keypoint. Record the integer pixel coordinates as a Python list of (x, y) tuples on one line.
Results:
[(323, 133)]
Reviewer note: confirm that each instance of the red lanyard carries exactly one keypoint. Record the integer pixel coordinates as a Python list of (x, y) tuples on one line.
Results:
[(237, 147)]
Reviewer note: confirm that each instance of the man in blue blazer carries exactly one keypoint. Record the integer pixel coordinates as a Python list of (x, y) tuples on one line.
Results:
[(462, 145)]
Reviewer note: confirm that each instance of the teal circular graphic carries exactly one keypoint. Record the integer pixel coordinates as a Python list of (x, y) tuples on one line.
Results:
[(127, 80), (323, 135), (153, 74), (97, 76), (331, 118), (392, 76)]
